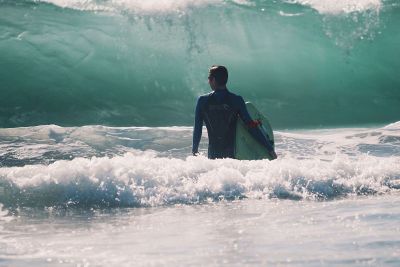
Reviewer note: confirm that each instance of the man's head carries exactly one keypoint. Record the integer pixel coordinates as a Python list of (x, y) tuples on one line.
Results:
[(217, 77)]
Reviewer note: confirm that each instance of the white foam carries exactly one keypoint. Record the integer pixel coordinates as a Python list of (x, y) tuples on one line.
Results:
[(144, 179), (341, 6), (4, 215), (79, 4), (244, 2), (284, 14), (312, 163), (393, 126), (132, 5)]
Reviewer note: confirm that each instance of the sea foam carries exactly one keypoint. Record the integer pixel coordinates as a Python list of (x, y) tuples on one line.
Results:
[(341, 6), (322, 6), (131, 5), (145, 179)]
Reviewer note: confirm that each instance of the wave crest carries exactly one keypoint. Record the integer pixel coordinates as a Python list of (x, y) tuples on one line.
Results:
[(131, 5), (142, 179)]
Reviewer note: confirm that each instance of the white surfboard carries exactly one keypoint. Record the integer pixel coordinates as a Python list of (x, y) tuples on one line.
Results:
[(248, 148)]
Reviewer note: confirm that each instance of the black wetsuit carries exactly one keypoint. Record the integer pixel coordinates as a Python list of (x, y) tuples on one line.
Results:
[(220, 110)]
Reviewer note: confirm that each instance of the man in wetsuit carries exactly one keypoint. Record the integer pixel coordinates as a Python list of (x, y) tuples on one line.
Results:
[(220, 110)]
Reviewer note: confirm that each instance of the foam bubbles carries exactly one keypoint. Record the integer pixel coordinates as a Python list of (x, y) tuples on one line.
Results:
[(393, 126), (144, 179), (135, 167), (131, 5), (4, 215), (322, 6), (79, 4), (341, 6), (361, 17)]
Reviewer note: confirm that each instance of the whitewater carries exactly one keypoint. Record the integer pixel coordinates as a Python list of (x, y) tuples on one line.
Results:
[(96, 114), (111, 196)]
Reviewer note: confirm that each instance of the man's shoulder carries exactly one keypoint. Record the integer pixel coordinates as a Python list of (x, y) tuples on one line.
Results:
[(234, 96), (205, 96)]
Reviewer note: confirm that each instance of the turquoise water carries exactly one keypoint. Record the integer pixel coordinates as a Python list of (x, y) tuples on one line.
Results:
[(144, 63), (96, 114)]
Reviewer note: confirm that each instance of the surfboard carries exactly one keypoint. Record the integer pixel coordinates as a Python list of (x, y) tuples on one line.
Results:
[(246, 146)]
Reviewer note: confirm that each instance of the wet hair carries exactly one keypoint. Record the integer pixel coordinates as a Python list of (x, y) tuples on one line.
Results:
[(220, 73)]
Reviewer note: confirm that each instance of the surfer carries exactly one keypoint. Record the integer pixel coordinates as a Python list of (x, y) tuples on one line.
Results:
[(220, 110)]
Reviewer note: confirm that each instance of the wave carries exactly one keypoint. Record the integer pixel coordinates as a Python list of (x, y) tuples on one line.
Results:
[(142, 180), (144, 63), (342, 6), (50, 143), (322, 6), (101, 167), (133, 5)]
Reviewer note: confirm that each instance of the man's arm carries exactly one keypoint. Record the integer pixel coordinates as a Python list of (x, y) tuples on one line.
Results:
[(253, 129), (198, 127)]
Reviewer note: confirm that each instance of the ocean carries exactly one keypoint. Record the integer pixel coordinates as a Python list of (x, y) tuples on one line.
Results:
[(97, 103)]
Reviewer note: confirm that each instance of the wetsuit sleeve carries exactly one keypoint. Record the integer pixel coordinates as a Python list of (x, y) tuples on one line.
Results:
[(254, 131), (198, 127)]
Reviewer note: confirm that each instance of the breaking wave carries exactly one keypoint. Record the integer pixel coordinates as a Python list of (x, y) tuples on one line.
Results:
[(144, 63)]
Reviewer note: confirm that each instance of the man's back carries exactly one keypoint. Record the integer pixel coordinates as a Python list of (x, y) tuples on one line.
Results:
[(220, 111)]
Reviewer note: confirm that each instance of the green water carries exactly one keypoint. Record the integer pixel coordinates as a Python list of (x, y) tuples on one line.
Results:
[(128, 67)]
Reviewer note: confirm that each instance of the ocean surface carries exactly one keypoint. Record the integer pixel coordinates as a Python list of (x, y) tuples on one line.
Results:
[(314, 63), (96, 115)]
